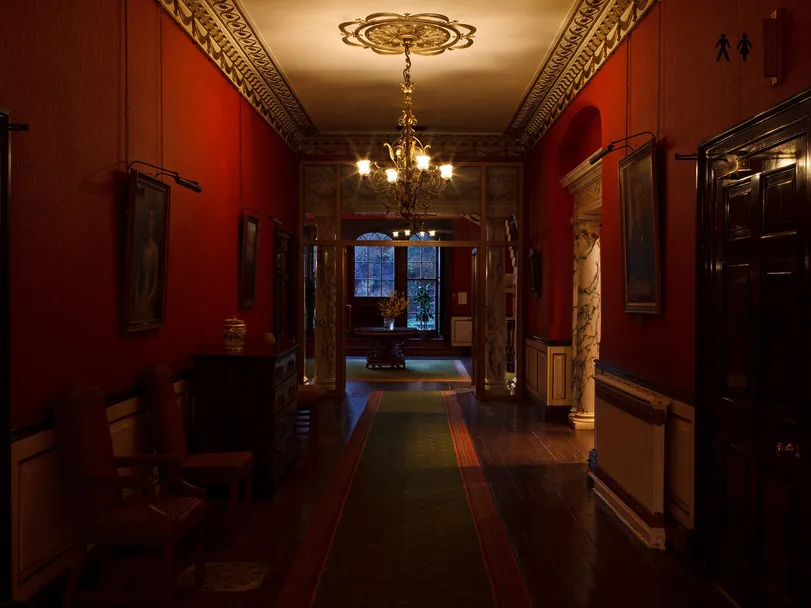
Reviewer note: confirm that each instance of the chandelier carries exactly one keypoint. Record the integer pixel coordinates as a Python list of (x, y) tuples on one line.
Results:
[(409, 181)]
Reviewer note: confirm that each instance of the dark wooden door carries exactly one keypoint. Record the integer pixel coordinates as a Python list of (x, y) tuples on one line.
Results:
[(755, 356)]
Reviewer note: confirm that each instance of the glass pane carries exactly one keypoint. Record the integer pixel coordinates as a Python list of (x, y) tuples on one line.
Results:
[(374, 288), (388, 254), (413, 270), (429, 254), (360, 288), (374, 254), (361, 270), (387, 288), (414, 254), (388, 270), (361, 254), (429, 270)]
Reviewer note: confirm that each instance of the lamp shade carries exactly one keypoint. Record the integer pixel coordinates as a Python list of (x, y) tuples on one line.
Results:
[(391, 175), (423, 162), (446, 171)]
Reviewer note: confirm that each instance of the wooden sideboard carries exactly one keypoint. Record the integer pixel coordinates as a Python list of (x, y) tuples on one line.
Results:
[(247, 401)]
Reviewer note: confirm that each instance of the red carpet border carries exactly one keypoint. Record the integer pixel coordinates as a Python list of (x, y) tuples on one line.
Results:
[(509, 589), (301, 584)]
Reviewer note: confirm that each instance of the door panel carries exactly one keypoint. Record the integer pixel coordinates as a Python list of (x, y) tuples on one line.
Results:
[(756, 296)]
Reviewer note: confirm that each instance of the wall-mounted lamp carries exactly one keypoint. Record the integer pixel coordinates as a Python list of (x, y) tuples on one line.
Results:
[(273, 219), (180, 181), (395, 233), (613, 146)]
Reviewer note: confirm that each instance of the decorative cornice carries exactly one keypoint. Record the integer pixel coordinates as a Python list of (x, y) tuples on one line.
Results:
[(223, 31), (442, 144), (653, 519), (592, 33)]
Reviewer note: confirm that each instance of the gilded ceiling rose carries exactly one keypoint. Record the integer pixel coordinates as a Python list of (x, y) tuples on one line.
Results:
[(425, 33)]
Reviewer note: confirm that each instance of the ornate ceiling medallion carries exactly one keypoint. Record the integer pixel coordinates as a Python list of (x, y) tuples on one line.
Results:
[(423, 33)]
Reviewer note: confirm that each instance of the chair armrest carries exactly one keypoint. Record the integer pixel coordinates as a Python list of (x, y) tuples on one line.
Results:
[(172, 461), (187, 489)]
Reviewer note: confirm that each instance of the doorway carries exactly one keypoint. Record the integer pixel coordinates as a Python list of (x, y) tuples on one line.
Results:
[(752, 356)]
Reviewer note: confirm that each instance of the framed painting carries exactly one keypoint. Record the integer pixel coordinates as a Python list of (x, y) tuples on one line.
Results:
[(249, 254), (147, 253), (639, 217)]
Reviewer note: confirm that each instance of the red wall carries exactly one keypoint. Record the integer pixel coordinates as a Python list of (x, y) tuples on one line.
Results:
[(68, 83), (696, 99)]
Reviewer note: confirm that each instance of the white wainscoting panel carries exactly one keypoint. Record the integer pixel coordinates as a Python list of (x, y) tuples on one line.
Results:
[(461, 331), (548, 372), (40, 525), (680, 480)]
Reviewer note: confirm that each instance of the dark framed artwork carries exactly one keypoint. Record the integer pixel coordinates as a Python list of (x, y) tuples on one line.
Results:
[(248, 256), (639, 216), (534, 265), (147, 253)]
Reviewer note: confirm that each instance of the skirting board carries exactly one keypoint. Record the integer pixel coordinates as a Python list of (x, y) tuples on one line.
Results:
[(653, 538)]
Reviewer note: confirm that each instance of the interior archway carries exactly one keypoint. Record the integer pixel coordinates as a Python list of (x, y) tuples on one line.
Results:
[(583, 180)]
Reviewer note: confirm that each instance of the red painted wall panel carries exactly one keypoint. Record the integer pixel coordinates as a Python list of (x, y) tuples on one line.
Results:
[(668, 64), (68, 192)]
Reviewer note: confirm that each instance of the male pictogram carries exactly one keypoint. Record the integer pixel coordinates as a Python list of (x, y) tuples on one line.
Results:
[(722, 45)]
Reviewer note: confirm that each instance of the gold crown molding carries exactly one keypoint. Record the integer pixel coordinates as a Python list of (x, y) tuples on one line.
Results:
[(425, 33), (223, 32), (592, 33), (445, 145)]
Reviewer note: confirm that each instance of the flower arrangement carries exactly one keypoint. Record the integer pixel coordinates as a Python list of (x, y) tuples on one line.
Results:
[(393, 306)]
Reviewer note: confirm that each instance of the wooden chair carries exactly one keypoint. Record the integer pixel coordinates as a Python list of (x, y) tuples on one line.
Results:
[(102, 516), (169, 437)]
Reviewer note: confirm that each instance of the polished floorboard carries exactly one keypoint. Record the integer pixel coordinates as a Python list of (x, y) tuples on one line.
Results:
[(571, 549)]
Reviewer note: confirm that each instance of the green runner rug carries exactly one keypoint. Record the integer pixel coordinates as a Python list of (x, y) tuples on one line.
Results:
[(407, 519)]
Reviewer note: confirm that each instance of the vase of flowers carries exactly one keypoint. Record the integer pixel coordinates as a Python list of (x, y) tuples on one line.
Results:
[(391, 308)]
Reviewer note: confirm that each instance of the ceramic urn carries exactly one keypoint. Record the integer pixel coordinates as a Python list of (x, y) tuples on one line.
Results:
[(233, 334)]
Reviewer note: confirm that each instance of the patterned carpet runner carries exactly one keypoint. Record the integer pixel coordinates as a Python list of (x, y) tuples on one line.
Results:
[(407, 519)]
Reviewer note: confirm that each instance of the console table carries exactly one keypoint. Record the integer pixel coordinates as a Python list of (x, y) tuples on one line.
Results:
[(385, 346)]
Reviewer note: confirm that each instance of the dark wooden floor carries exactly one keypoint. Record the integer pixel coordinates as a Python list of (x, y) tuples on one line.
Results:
[(571, 549)]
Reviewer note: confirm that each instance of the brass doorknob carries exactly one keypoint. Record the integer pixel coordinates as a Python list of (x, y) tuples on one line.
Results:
[(788, 449)]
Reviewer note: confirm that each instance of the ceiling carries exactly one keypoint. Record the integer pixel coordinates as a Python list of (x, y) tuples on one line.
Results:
[(349, 89)]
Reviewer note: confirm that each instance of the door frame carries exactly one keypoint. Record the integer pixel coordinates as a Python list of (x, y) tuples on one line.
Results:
[(5, 402), (713, 155)]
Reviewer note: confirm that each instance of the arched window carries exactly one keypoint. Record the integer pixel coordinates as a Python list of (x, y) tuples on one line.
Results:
[(374, 267), (422, 271)]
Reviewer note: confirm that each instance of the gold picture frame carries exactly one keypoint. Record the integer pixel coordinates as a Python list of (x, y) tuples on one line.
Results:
[(639, 219)]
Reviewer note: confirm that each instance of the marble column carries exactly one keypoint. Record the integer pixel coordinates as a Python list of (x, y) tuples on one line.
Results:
[(585, 323), (584, 183), (495, 311), (325, 318)]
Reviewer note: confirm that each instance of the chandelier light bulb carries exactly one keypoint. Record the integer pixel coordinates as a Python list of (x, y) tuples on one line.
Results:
[(391, 175), (446, 171), (395, 233), (407, 232), (364, 167), (423, 162), (422, 232), (432, 233)]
